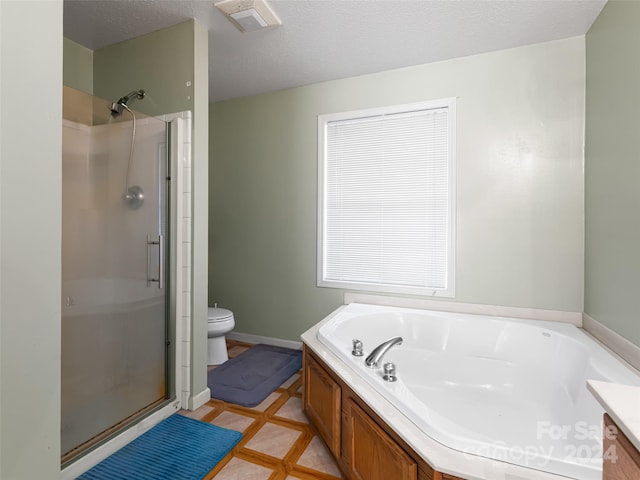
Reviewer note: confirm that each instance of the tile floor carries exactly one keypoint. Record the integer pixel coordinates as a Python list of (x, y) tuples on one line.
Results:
[(278, 442)]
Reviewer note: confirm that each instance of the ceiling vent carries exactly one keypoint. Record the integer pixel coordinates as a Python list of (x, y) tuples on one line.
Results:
[(248, 15)]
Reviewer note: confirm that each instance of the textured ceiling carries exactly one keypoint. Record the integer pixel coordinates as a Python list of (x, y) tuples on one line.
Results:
[(329, 39)]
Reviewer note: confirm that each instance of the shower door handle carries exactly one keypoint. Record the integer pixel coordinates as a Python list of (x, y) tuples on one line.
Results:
[(160, 277), (160, 262)]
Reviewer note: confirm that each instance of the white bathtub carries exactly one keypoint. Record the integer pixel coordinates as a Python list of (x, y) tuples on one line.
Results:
[(505, 389)]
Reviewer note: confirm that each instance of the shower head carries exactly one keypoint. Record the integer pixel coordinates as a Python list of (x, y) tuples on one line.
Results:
[(121, 104)]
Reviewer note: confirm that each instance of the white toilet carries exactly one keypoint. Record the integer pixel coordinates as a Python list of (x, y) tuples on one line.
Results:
[(220, 323)]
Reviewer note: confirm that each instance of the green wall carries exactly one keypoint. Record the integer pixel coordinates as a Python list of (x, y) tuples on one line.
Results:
[(160, 62), (30, 238), (172, 66), (77, 66), (520, 115), (612, 156)]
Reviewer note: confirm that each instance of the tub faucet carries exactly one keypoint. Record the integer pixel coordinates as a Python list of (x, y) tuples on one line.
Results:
[(374, 358)]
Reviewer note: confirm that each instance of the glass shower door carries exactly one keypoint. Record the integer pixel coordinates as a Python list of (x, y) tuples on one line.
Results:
[(114, 293)]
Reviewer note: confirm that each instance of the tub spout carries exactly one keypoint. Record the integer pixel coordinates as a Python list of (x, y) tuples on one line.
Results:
[(375, 357)]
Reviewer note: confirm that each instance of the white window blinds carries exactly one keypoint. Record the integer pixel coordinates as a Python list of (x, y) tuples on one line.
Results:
[(386, 200)]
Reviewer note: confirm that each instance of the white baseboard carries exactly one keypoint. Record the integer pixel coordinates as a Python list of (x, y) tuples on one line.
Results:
[(619, 345), (200, 399), (248, 338), (103, 451), (574, 318)]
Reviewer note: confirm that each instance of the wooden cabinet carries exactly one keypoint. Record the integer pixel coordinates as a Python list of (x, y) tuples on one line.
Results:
[(364, 446), (321, 399), (621, 460), (373, 455)]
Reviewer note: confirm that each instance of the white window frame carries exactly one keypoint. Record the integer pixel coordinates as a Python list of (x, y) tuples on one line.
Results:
[(323, 121)]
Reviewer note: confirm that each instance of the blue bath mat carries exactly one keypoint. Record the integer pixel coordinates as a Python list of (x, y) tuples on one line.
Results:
[(250, 377), (178, 448)]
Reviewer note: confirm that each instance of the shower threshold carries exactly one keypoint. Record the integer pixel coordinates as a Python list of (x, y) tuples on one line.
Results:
[(76, 453)]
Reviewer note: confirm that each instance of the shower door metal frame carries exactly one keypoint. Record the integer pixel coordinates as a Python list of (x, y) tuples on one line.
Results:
[(164, 280)]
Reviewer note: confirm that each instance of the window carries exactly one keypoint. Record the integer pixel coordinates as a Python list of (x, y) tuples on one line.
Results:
[(386, 212)]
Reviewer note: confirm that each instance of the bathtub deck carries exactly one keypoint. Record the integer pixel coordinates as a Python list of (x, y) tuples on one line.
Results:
[(278, 442)]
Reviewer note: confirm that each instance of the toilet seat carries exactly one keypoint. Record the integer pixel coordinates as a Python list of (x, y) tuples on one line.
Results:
[(219, 314)]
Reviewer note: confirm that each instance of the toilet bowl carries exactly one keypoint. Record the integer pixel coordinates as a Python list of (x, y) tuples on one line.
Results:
[(220, 323)]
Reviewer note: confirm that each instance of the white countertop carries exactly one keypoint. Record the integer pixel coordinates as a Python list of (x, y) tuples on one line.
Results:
[(622, 403)]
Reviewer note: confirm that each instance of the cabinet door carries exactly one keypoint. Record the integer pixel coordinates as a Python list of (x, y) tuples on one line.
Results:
[(373, 455), (321, 400), (621, 460)]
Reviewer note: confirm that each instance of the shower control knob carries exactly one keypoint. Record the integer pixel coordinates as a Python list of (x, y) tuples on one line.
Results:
[(389, 372), (357, 348)]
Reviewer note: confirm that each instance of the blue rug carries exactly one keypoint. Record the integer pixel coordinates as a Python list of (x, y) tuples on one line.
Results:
[(178, 448), (250, 377)]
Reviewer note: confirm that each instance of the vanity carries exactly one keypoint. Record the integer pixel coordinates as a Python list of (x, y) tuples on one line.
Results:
[(621, 436)]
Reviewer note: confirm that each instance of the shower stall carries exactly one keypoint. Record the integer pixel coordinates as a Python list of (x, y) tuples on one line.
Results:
[(115, 303)]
